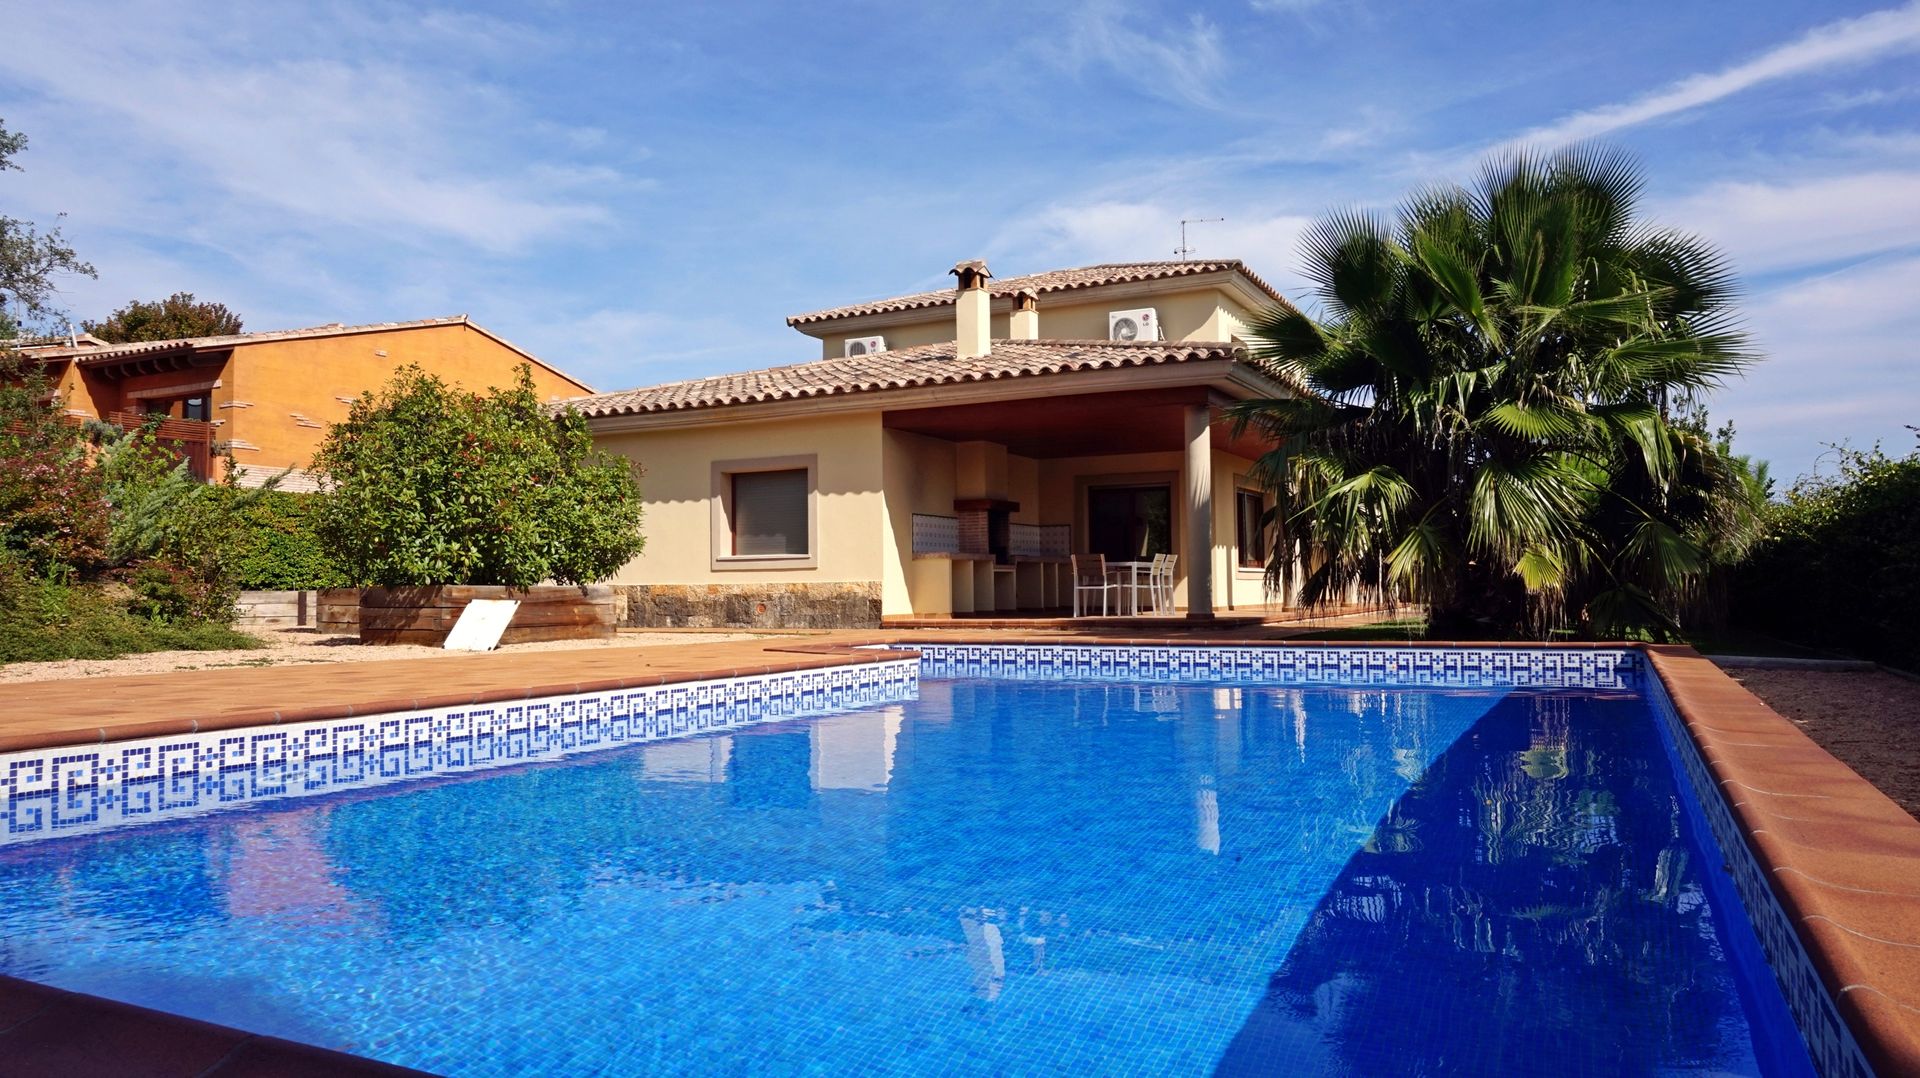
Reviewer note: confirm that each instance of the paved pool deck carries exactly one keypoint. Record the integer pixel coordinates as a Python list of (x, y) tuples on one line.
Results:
[(1841, 858)]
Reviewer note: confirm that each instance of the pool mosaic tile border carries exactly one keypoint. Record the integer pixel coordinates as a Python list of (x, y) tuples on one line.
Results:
[(1586, 668), (1836, 1052), (69, 790)]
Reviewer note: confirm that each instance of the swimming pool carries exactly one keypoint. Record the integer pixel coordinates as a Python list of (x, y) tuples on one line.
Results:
[(1008, 862)]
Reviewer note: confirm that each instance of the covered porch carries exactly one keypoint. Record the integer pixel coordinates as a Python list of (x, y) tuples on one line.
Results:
[(989, 500)]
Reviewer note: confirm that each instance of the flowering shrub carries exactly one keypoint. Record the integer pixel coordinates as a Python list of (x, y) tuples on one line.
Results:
[(53, 509), (107, 545)]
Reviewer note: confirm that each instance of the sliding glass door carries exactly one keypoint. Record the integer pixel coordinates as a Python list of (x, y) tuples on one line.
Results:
[(1130, 523)]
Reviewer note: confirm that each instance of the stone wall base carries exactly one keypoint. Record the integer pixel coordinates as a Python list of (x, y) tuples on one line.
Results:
[(751, 606)]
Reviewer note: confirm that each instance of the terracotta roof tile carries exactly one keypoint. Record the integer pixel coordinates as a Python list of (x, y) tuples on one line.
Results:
[(99, 352), (901, 368), (1042, 283)]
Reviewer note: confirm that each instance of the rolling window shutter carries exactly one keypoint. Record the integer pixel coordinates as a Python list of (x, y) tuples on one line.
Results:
[(770, 512)]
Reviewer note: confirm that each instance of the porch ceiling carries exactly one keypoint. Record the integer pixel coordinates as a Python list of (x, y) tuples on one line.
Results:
[(1078, 425)]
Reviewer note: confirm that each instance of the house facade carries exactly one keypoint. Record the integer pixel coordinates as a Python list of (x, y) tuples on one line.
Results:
[(267, 398), (950, 467)]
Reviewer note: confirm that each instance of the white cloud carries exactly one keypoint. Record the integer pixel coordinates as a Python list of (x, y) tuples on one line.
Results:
[(353, 139), (1802, 223), (1841, 365), (1133, 231), (1846, 41), (1181, 65)]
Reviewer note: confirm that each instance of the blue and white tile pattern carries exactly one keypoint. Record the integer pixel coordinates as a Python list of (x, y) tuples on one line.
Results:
[(47, 793), (1835, 1051), (1586, 668)]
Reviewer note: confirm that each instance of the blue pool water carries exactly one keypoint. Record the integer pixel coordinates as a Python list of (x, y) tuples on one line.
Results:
[(999, 877)]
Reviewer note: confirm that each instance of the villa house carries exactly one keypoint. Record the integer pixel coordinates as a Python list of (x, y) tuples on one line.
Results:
[(268, 398), (952, 448)]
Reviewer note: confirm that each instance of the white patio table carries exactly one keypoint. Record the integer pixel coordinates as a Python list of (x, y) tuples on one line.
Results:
[(1135, 571)]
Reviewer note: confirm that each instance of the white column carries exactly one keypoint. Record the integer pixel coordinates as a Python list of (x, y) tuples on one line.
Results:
[(1199, 472)]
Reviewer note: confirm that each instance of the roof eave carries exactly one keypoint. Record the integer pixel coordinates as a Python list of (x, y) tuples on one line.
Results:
[(1216, 371)]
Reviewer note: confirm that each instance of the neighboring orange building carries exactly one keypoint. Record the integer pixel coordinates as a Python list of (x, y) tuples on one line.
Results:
[(268, 398)]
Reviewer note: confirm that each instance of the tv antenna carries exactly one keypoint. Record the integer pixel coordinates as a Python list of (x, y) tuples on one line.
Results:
[(1183, 250)]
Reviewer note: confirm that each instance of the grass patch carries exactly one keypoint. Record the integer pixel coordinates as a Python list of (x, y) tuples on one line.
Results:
[(45, 621)]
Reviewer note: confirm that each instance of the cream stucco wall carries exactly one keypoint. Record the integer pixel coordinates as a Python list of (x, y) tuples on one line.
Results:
[(1192, 314), (871, 481), (850, 514)]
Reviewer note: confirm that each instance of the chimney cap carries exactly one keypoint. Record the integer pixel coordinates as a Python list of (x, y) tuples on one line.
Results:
[(973, 273), (1026, 299)]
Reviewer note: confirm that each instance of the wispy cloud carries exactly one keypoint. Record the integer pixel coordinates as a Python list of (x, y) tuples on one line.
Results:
[(1840, 363), (1846, 41), (1180, 64), (349, 139), (1803, 223)]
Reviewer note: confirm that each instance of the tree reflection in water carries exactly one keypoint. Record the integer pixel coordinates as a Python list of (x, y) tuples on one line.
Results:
[(1529, 906)]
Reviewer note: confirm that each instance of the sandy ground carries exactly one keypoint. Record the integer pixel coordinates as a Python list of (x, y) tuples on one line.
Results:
[(1869, 719), (285, 647)]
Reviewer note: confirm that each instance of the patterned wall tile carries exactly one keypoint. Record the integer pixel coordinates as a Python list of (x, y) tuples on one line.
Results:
[(50, 793), (1596, 668)]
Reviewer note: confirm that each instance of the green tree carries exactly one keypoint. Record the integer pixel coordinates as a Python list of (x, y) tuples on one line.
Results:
[(1482, 419), (429, 484), (177, 316), (30, 261)]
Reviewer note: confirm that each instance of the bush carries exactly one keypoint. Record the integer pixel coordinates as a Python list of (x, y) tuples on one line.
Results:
[(53, 507), (427, 484), (279, 546), (1837, 566), (43, 619), (175, 538), (104, 551)]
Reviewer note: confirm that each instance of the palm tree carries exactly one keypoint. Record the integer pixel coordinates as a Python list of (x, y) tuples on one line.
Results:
[(1481, 422)]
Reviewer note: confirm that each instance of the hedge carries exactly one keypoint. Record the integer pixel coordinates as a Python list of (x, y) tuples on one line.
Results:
[(281, 551), (1840, 567)]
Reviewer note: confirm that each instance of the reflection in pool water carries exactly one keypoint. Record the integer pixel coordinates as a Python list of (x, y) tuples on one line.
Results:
[(998, 877)]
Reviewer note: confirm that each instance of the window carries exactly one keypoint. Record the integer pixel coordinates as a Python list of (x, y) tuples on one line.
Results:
[(769, 514), (765, 514), (1250, 528), (1130, 523), (195, 408)]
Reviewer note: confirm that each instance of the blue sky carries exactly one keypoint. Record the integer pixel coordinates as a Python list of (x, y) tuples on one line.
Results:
[(642, 192)]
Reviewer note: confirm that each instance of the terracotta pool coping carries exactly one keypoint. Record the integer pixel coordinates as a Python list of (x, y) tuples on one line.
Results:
[(56, 1033), (1842, 858), (49, 714)]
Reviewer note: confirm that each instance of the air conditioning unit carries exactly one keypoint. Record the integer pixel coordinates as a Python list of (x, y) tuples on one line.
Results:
[(1140, 324), (865, 346)]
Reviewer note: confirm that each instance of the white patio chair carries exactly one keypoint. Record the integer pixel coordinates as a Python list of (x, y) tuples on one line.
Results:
[(1090, 574), (1161, 582)]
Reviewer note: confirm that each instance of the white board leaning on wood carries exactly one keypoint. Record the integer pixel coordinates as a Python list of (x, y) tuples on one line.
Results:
[(481, 624)]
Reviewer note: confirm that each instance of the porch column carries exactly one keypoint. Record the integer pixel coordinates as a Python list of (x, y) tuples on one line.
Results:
[(1199, 471)]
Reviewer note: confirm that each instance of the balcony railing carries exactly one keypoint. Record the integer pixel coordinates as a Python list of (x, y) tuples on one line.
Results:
[(190, 440)]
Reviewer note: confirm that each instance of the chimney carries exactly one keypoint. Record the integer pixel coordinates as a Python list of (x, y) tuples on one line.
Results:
[(1024, 323), (972, 311)]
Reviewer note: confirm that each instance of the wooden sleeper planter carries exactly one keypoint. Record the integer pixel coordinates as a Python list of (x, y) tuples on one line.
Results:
[(425, 615)]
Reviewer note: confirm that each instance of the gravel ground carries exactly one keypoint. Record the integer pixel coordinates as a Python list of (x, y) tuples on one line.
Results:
[(1869, 719), (285, 647)]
